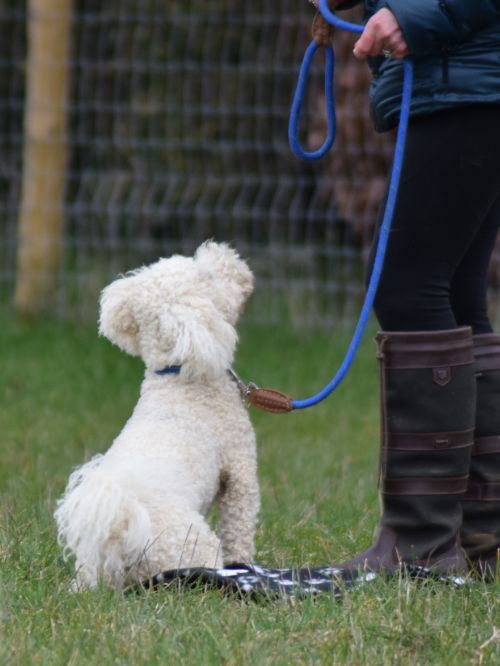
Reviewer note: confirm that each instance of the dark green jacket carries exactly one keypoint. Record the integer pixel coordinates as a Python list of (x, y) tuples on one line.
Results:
[(455, 47)]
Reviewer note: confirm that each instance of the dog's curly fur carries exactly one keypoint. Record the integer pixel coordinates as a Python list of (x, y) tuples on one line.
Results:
[(140, 508)]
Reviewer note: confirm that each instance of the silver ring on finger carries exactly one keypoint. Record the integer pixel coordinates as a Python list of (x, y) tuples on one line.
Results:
[(387, 53)]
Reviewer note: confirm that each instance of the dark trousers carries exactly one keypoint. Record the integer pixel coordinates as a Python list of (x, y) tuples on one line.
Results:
[(445, 224)]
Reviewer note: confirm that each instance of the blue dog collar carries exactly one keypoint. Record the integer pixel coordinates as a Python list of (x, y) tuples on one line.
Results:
[(170, 370)]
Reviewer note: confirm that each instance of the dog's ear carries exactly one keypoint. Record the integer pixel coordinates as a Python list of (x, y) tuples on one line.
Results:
[(196, 337), (117, 321), (234, 279)]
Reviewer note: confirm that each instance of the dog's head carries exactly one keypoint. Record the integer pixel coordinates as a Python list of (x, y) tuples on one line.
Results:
[(180, 311)]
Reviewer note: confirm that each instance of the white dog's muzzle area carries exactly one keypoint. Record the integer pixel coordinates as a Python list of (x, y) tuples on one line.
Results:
[(253, 581)]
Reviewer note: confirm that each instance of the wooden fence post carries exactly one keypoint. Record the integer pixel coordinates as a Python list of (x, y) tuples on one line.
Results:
[(40, 224)]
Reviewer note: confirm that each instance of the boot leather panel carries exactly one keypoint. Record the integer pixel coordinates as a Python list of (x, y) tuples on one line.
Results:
[(425, 441), (433, 464), (385, 555), (484, 446), (424, 524), (416, 404), (483, 492), (480, 532), (423, 487), (488, 403)]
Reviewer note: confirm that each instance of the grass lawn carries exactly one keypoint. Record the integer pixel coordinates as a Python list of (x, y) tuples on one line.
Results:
[(64, 395)]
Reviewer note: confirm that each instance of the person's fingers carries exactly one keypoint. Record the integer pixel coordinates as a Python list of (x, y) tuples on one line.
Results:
[(370, 43), (365, 44), (401, 52), (376, 47), (381, 33)]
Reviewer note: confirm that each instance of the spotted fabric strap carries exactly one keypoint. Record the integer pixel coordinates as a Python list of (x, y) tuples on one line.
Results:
[(254, 581)]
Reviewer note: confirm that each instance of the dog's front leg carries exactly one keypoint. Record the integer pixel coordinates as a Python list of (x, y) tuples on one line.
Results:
[(238, 508)]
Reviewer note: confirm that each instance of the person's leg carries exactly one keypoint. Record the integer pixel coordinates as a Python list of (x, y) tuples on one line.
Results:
[(427, 366), (450, 180), (480, 534), (470, 282), (428, 405)]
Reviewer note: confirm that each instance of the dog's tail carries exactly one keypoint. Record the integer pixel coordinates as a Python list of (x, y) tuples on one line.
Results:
[(102, 525)]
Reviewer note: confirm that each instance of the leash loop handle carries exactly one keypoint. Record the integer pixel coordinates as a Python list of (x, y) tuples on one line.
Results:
[(300, 92), (322, 34)]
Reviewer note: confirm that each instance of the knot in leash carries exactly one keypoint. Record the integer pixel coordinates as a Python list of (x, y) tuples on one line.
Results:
[(322, 31)]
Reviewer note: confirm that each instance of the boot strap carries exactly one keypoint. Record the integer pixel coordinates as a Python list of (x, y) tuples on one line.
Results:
[(487, 351), (442, 486), (428, 349), (429, 441), (483, 492), (484, 446)]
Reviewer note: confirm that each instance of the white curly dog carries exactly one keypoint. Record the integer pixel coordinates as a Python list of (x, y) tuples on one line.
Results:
[(140, 508)]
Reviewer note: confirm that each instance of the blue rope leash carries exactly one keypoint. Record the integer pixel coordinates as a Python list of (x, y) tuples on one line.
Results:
[(393, 183)]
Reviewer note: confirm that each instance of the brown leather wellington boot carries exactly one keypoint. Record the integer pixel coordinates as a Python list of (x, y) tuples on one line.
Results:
[(481, 506), (428, 396)]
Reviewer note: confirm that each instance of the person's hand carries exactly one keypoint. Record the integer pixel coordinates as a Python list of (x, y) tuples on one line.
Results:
[(332, 3), (381, 36)]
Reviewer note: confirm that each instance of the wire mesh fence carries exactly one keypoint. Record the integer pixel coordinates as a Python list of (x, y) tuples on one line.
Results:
[(176, 131)]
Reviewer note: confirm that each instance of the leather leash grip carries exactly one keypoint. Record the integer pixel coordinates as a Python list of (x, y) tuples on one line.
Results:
[(322, 31), (270, 400)]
